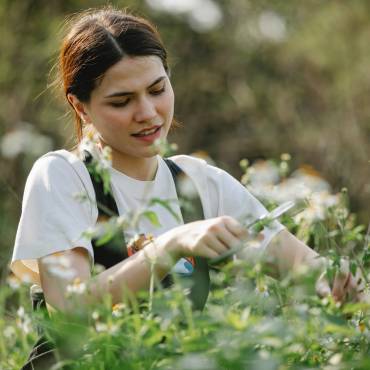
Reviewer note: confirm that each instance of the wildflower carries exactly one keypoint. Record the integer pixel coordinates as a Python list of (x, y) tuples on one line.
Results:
[(57, 259), (187, 188), (163, 148), (25, 325), (101, 327), (285, 157), (23, 321), (98, 268), (263, 173), (13, 282), (24, 139), (21, 312), (361, 326), (117, 309), (262, 290), (77, 287), (272, 26), (244, 163), (26, 278), (95, 315), (311, 178), (335, 359), (89, 144), (107, 156), (9, 332), (202, 154), (62, 272)]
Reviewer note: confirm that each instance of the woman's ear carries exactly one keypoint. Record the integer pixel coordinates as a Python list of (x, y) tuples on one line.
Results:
[(79, 107)]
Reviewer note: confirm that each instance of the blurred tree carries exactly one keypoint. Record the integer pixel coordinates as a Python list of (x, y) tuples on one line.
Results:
[(252, 79)]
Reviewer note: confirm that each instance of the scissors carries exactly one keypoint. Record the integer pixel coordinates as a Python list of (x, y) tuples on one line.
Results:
[(264, 219)]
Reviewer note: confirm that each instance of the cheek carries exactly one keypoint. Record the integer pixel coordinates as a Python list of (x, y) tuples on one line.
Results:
[(167, 104), (114, 118)]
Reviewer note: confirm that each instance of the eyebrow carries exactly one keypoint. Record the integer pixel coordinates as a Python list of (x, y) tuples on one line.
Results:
[(125, 93)]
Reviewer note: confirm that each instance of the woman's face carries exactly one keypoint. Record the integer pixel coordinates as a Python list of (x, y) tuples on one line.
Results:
[(132, 106)]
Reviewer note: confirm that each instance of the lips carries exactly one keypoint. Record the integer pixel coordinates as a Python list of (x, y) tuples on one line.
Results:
[(147, 132)]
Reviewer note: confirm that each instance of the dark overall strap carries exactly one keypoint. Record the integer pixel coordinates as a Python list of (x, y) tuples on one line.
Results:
[(199, 280), (115, 250)]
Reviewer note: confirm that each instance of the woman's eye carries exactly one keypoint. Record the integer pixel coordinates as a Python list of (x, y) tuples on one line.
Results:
[(158, 91), (120, 104)]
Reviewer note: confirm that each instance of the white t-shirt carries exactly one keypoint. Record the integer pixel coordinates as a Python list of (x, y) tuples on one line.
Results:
[(54, 220)]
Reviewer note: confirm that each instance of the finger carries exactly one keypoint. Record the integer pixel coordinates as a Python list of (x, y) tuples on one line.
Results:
[(322, 286), (213, 242), (208, 252), (234, 227), (228, 239), (356, 287), (340, 286)]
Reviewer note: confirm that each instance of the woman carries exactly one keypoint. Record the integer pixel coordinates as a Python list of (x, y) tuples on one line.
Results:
[(116, 78)]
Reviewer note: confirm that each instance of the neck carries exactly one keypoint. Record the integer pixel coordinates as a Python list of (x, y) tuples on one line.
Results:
[(143, 169)]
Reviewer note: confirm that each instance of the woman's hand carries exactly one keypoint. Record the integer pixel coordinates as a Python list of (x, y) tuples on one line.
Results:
[(209, 238), (345, 287)]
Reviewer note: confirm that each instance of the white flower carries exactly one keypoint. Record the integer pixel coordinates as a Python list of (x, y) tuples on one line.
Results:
[(60, 266), (262, 291), (13, 282), (26, 278), (335, 359), (77, 287), (272, 26), (23, 321), (117, 309), (311, 178), (24, 139), (25, 325), (89, 143), (62, 272), (9, 332), (206, 16), (187, 188), (101, 327), (106, 157), (21, 312), (203, 15), (263, 173)]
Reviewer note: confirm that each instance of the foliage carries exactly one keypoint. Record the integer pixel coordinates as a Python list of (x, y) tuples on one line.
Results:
[(250, 321), (268, 77)]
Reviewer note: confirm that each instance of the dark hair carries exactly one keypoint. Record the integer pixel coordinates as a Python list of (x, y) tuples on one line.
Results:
[(98, 39)]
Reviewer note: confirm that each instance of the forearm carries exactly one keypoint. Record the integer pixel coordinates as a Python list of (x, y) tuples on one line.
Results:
[(134, 273), (285, 253), (120, 281)]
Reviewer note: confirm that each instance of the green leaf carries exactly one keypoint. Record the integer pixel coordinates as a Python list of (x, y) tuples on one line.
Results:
[(152, 217), (165, 204), (353, 268)]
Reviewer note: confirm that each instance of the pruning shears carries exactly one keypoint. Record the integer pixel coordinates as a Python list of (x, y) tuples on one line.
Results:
[(263, 220)]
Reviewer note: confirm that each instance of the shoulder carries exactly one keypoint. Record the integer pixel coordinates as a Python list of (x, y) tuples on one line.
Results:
[(214, 176), (191, 164), (59, 169), (188, 161), (59, 162)]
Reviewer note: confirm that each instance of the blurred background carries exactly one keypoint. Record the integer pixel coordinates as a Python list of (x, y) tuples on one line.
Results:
[(253, 79)]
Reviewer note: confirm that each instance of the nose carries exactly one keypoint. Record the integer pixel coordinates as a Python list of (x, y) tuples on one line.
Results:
[(145, 111)]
